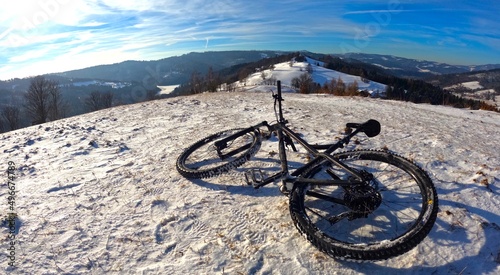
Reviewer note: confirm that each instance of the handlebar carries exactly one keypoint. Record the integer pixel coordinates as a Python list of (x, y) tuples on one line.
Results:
[(371, 127), (278, 95), (277, 99)]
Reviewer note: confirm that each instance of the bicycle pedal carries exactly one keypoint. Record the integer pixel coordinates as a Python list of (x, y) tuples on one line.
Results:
[(254, 176)]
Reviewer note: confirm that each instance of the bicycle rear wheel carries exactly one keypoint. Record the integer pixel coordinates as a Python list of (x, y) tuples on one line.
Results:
[(386, 217), (201, 160)]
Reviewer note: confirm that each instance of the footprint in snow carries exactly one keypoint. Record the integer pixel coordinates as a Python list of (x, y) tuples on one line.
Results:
[(176, 233), (158, 210), (159, 215)]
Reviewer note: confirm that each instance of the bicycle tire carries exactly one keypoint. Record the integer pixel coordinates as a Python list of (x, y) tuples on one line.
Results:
[(200, 160), (399, 182)]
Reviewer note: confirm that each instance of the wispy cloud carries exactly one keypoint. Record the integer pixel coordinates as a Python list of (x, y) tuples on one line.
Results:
[(43, 37)]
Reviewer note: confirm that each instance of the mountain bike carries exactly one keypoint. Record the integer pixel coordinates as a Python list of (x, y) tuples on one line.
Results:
[(360, 205)]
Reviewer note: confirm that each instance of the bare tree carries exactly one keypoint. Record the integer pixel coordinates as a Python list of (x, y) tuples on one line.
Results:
[(309, 68), (352, 88), (332, 86), (304, 83), (43, 100), (212, 80), (231, 87), (93, 102), (37, 100), (11, 115), (196, 83), (57, 106), (107, 100), (340, 88), (97, 100)]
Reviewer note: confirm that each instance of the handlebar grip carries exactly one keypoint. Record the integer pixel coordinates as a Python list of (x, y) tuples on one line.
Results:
[(371, 127)]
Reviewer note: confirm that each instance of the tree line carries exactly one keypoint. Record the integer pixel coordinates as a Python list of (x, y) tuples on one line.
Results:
[(405, 89)]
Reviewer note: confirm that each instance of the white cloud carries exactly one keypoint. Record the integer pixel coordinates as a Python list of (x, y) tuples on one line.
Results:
[(125, 28), (28, 56)]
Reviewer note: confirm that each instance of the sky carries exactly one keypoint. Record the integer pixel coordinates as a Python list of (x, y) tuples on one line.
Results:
[(47, 36)]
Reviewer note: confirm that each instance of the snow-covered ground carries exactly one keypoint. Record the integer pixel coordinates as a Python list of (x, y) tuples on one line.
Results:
[(473, 85), (166, 90), (99, 193), (478, 93), (114, 85)]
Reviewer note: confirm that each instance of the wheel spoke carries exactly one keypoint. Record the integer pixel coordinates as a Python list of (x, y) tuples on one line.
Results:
[(202, 159), (325, 197), (369, 217), (208, 157)]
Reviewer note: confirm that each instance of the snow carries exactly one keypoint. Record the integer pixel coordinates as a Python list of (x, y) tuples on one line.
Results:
[(114, 85), (473, 85), (387, 68), (423, 70), (165, 90), (99, 193), (426, 70), (320, 75), (487, 91)]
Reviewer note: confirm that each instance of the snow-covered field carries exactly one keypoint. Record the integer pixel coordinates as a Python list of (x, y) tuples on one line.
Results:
[(286, 72), (473, 85), (166, 90), (99, 193), (478, 92)]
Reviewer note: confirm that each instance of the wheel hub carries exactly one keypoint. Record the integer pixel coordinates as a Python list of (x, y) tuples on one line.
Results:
[(362, 199)]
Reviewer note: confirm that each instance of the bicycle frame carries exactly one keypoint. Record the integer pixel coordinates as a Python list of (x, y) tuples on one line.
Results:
[(286, 137), (393, 212)]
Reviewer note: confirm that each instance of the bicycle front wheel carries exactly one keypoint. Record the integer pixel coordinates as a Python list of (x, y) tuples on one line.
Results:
[(385, 217), (202, 160)]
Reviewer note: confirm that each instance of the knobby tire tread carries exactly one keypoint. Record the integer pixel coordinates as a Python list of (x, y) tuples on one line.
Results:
[(221, 169), (401, 245)]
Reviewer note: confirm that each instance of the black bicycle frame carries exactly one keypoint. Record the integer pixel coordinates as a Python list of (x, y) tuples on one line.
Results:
[(286, 137)]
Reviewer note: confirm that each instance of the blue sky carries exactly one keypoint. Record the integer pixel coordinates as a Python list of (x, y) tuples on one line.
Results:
[(44, 36)]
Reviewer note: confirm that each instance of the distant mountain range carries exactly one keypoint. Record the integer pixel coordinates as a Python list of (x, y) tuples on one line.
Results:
[(178, 69), (130, 79), (136, 81), (412, 68), (168, 71)]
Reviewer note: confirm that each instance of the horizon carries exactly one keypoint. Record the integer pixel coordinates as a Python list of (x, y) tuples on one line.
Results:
[(52, 36)]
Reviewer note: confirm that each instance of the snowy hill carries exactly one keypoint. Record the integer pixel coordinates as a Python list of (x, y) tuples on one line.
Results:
[(474, 90), (405, 67), (287, 71), (99, 193)]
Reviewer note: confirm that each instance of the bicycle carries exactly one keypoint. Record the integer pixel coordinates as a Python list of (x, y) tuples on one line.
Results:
[(361, 205)]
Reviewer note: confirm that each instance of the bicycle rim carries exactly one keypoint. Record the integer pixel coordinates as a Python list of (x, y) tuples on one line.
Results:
[(202, 160), (405, 214)]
